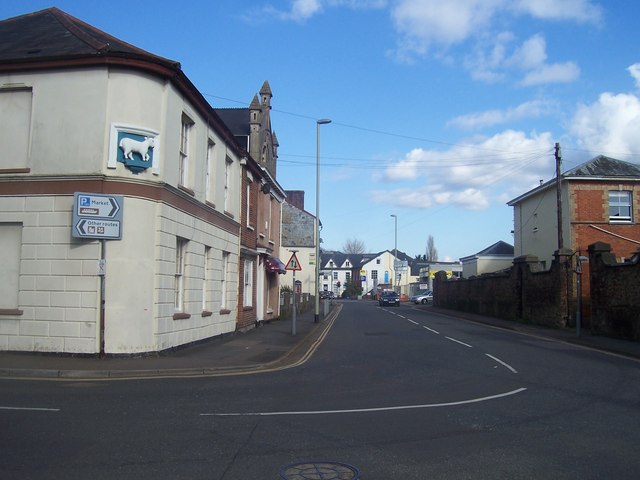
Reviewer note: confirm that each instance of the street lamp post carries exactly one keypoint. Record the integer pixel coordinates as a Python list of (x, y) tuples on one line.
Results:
[(395, 254), (322, 121)]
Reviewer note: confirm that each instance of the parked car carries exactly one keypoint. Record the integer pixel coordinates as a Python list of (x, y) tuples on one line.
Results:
[(389, 298), (326, 294), (423, 297)]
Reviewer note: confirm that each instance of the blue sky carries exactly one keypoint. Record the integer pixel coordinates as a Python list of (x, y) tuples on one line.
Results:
[(442, 111)]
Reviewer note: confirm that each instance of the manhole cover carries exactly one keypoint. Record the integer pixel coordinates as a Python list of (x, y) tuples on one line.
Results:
[(320, 471)]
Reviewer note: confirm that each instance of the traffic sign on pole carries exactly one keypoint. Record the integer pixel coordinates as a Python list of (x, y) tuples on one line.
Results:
[(97, 216), (293, 263)]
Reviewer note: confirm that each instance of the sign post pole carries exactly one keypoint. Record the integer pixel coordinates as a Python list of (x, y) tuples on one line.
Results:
[(293, 264)]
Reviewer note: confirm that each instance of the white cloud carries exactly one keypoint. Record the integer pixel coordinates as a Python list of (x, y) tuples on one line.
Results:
[(422, 24), (575, 10), (302, 10), (529, 60), (610, 125), (634, 70), (531, 109), (555, 73), (464, 174)]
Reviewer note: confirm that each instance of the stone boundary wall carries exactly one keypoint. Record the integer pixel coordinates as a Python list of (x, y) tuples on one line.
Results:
[(521, 293), (615, 293)]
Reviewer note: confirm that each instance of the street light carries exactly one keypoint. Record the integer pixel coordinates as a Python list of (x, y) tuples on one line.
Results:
[(322, 121), (395, 254)]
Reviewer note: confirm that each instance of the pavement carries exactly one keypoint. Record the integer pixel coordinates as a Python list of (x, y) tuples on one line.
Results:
[(269, 347)]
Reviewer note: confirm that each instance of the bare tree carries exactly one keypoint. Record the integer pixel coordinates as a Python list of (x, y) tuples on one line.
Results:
[(353, 246), (432, 251)]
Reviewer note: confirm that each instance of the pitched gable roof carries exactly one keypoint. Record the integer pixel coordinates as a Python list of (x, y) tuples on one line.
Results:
[(598, 168), (605, 167), (52, 39), (53, 34), (498, 249)]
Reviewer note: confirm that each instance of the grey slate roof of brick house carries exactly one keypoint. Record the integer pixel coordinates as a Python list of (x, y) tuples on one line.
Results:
[(600, 167), (237, 119), (606, 167), (54, 34)]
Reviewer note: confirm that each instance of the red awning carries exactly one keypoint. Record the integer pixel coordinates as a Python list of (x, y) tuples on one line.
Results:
[(274, 265)]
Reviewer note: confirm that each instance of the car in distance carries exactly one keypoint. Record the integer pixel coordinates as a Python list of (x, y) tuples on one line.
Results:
[(389, 298), (423, 297)]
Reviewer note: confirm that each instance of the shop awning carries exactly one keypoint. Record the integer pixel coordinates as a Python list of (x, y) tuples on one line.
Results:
[(274, 265)]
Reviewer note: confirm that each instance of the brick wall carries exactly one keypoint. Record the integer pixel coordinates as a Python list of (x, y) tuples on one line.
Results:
[(522, 294), (615, 293)]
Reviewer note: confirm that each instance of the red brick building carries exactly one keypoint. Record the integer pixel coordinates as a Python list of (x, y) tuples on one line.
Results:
[(600, 202)]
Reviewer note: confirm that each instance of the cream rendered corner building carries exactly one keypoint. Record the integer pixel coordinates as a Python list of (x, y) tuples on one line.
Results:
[(73, 100)]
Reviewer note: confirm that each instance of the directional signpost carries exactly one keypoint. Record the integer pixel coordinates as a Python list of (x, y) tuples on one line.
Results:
[(97, 216), (294, 265)]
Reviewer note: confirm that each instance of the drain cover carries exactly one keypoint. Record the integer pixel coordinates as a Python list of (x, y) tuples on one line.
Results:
[(319, 471)]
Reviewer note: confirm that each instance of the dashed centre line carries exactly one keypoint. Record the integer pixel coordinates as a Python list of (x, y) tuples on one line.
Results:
[(458, 341), (31, 409)]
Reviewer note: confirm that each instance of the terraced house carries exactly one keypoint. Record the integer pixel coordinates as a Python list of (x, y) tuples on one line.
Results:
[(121, 198)]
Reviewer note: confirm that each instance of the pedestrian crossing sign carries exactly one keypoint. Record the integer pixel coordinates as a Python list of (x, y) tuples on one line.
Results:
[(293, 263)]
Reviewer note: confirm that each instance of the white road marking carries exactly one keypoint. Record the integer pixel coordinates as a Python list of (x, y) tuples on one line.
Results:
[(458, 341), (365, 410), (431, 330), (502, 363), (415, 323), (31, 409)]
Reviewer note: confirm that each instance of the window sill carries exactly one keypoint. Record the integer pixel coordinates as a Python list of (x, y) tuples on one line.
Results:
[(181, 316), (229, 214), (225, 311), (186, 190), (247, 309), (8, 171), (10, 311), (206, 313), (210, 204)]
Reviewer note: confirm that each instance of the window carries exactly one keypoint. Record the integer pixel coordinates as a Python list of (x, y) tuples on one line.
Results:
[(374, 274), (620, 206), (377, 261), (347, 277), (15, 126), (10, 246), (227, 184), (248, 283), (206, 275), (209, 174), (249, 201), (223, 280), (335, 275), (181, 248), (185, 132)]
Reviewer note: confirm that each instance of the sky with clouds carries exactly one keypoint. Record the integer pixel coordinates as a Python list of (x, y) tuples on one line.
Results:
[(441, 111)]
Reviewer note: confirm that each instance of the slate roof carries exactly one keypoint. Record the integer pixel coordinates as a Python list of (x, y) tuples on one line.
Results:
[(498, 249), (607, 167), (52, 34), (600, 167), (53, 39), (237, 120)]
